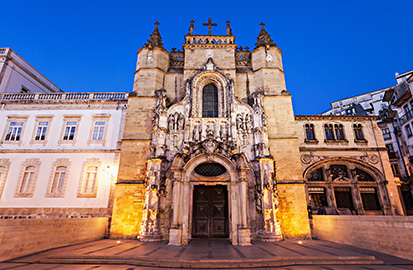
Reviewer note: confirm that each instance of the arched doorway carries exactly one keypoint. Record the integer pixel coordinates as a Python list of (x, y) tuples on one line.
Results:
[(210, 202)]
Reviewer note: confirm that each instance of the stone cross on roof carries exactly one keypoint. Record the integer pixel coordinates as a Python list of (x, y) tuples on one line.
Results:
[(209, 24)]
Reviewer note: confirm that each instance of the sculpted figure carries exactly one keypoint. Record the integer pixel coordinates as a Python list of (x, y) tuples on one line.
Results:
[(239, 121), (181, 121), (171, 123), (248, 122), (209, 130), (195, 133)]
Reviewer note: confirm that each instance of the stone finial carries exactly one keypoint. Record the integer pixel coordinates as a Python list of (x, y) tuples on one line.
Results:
[(155, 39), (264, 38), (191, 28), (229, 30)]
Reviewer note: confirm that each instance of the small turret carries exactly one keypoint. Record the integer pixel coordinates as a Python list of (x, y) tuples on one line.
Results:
[(152, 65), (155, 39), (266, 63)]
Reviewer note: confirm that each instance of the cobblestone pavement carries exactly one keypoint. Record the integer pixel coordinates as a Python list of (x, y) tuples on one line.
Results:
[(208, 254)]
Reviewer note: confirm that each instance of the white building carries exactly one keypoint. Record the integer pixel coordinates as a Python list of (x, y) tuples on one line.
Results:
[(18, 76), (59, 153)]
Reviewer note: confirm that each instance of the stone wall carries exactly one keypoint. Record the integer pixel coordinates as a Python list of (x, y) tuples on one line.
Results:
[(389, 234), (19, 237)]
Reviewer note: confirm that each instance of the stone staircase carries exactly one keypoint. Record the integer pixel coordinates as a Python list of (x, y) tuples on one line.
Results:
[(215, 263)]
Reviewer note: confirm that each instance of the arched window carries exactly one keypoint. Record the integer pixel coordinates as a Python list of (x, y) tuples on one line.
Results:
[(58, 180), (339, 132), (28, 177), (89, 183), (309, 132), (210, 101), (329, 132), (358, 132)]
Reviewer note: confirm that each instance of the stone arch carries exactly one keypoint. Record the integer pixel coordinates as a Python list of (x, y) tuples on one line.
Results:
[(220, 81), (204, 158), (181, 229), (373, 171), (347, 191)]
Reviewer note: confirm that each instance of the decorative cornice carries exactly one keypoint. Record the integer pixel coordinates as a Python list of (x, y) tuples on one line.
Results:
[(335, 117)]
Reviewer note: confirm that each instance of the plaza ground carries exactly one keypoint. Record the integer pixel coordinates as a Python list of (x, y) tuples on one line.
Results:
[(208, 254)]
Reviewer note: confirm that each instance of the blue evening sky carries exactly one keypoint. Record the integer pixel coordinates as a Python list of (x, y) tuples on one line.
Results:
[(332, 49)]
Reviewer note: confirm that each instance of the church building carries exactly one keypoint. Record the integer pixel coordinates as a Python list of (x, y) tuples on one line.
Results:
[(211, 148)]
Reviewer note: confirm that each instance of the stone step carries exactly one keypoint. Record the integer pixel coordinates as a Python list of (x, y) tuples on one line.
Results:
[(214, 264)]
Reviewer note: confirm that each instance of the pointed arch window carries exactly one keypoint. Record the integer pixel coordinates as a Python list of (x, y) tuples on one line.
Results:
[(210, 101)]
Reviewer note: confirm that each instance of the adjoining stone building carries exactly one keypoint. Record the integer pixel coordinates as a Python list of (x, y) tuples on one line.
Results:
[(212, 148)]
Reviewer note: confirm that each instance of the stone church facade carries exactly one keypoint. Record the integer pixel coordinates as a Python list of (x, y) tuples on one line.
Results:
[(211, 148)]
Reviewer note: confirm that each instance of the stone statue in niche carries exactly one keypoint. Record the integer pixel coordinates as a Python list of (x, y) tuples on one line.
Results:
[(222, 132), (171, 123), (209, 131), (239, 121), (195, 134), (248, 122), (264, 120), (181, 122)]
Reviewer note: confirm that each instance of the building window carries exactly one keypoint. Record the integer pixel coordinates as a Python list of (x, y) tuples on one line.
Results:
[(14, 131), (408, 130), (316, 175), (210, 101), (369, 199), (24, 90), (358, 132), (89, 184), (27, 181), (329, 132), (339, 132), (343, 197), (98, 131), (309, 132), (70, 131), (58, 180), (4, 168), (90, 176), (386, 133), (317, 197), (41, 130), (28, 177), (395, 169)]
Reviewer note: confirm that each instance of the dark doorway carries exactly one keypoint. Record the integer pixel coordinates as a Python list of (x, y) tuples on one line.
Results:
[(343, 198), (210, 212)]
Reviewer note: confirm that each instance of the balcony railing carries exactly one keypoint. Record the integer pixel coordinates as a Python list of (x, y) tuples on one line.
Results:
[(63, 97), (406, 117)]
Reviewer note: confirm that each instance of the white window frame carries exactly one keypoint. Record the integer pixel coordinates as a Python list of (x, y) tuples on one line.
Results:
[(10, 120), (62, 162), (40, 119), (33, 174), (88, 179), (5, 164), (97, 119), (66, 120)]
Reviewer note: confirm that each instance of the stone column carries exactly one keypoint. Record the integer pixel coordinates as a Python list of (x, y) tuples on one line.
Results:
[(358, 205), (175, 232)]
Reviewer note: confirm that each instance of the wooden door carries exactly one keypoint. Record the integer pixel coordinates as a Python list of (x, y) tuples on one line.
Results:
[(210, 212)]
